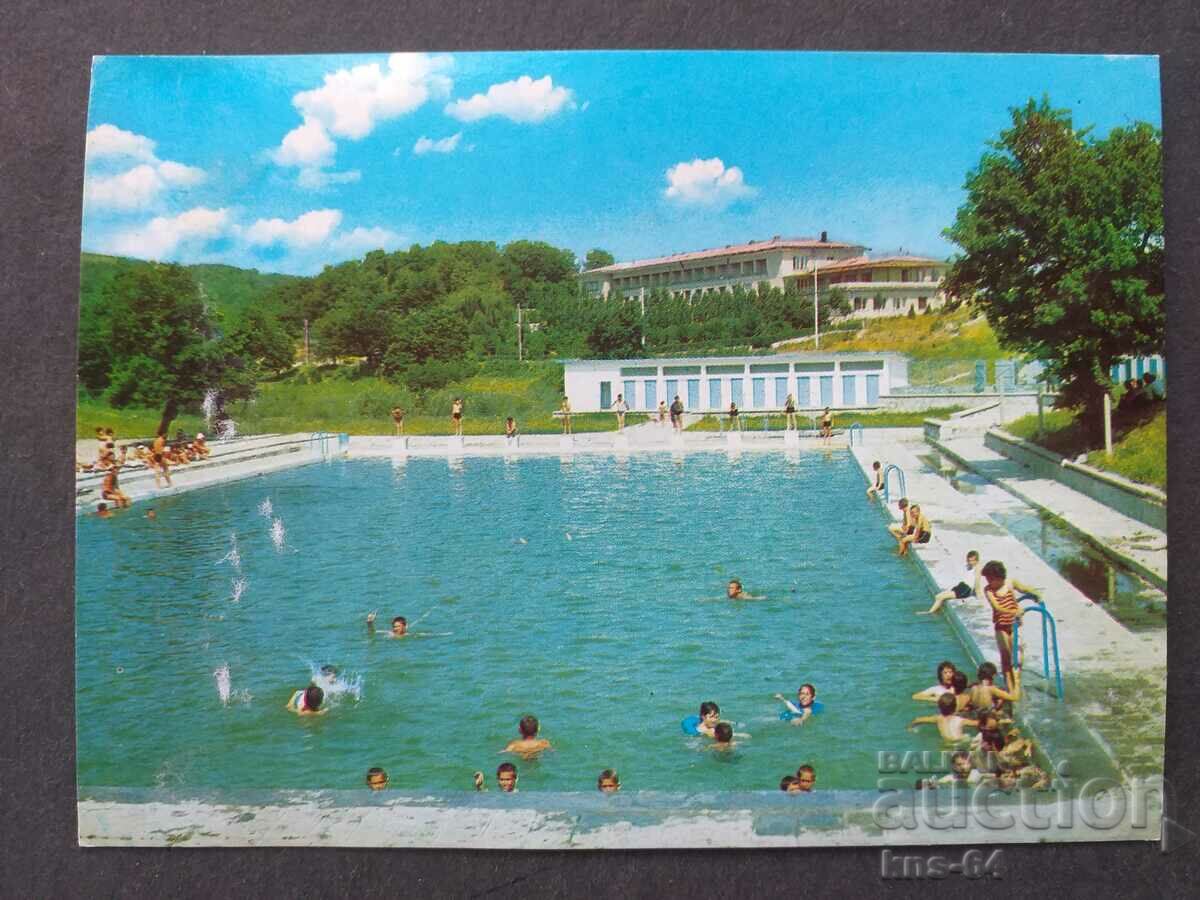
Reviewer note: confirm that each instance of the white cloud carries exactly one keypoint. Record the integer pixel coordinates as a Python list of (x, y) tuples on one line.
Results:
[(164, 234), (444, 145), (110, 141), (361, 240), (305, 145), (352, 101), (306, 230), (522, 100), (138, 187), (316, 179), (706, 182)]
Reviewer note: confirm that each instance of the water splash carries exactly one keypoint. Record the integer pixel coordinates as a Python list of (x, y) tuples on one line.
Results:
[(226, 429), (233, 557), (278, 534), (239, 588), (265, 508), (335, 684), (209, 406), (225, 687)]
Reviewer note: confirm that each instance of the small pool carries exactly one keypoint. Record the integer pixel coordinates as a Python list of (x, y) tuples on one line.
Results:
[(587, 591)]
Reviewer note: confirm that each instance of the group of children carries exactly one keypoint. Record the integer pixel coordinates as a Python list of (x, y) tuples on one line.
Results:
[(158, 458), (996, 753)]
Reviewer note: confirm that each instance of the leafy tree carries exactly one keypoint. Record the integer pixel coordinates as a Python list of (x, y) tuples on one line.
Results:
[(1062, 238), (257, 336), (616, 332), (598, 259), (162, 343)]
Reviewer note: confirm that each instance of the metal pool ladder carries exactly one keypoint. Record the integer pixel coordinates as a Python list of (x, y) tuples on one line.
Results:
[(887, 497), (856, 428), (1049, 641)]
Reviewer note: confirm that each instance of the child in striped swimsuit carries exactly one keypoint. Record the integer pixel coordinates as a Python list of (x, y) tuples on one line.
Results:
[(1001, 594)]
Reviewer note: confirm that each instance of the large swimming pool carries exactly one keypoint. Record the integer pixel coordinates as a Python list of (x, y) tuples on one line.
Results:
[(587, 591)]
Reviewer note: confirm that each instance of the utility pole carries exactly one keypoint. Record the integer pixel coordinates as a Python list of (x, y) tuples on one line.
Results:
[(520, 336), (816, 309), (643, 299), (306, 342)]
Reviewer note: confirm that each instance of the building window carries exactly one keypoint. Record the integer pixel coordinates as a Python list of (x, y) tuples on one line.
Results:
[(760, 266), (859, 304)]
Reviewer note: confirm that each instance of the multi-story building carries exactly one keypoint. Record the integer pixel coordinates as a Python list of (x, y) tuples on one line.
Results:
[(690, 275), (886, 286)]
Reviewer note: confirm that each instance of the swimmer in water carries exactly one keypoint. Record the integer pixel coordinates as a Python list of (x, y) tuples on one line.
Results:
[(789, 784), (377, 778), (802, 710), (945, 683), (151, 514), (949, 723), (710, 715), (529, 744), (608, 782), (399, 626), (806, 777), (103, 512), (722, 737), (506, 778), (307, 702), (734, 591)]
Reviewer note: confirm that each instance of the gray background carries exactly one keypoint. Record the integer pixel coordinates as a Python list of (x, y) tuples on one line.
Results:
[(44, 71)]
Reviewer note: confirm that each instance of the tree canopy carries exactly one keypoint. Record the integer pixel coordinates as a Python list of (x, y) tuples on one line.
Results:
[(1062, 238)]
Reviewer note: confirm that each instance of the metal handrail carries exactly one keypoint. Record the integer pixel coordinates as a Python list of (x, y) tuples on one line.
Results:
[(857, 427), (1049, 639), (887, 497)]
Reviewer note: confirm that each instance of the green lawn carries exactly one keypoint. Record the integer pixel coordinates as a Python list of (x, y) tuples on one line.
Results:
[(1139, 445), (841, 421)]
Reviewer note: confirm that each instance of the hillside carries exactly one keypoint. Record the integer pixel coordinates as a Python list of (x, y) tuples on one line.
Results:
[(959, 334), (230, 289)]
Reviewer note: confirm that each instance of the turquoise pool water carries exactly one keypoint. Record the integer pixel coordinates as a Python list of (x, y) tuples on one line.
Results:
[(586, 591)]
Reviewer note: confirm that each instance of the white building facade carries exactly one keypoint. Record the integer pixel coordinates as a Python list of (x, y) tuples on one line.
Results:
[(690, 275), (886, 286), (710, 384)]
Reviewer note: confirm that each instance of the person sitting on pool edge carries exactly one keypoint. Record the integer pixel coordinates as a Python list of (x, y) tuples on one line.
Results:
[(734, 591), (806, 777), (806, 695), (377, 778), (529, 744), (962, 590), (876, 487), (899, 529), (399, 626), (919, 530), (506, 777), (306, 702), (608, 782)]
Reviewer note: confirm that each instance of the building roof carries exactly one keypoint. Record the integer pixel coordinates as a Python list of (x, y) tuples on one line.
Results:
[(863, 262), (796, 356), (776, 243)]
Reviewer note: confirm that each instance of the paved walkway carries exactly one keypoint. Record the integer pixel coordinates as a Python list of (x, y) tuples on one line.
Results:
[(1130, 542)]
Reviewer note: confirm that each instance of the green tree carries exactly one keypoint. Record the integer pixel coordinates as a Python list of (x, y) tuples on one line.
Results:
[(616, 331), (1062, 238), (598, 259), (163, 346)]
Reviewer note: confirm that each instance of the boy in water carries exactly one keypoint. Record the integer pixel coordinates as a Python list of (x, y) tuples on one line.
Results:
[(734, 592), (399, 626), (962, 771), (789, 784), (983, 695), (806, 777), (306, 702), (529, 744), (506, 777), (805, 697), (608, 782), (102, 511), (723, 737), (1001, 595), (919, 530), (949, 723), (710, 716), (945, 682), (962, 590), (876, 488), (377, 778)]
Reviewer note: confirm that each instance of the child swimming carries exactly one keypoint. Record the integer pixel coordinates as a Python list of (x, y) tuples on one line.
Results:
[(506, 777), (377, 778), (803, 709), (306, 702), (399, 626), (949, 723), (806, 777), (734, 591), (945, 682), (608, 782), (529, 744)]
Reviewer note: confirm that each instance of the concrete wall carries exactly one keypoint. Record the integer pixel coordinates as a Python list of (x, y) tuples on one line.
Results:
[(1014, 405), (1146, 504)]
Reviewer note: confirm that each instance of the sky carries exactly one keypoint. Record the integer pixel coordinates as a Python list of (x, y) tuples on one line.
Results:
[(291, 163)]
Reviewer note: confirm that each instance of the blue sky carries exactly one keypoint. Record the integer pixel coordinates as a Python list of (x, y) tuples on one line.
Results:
[(290, 163)]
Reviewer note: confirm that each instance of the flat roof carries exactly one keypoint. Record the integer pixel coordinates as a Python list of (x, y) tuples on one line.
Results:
[(799, 243), (797, 356)]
